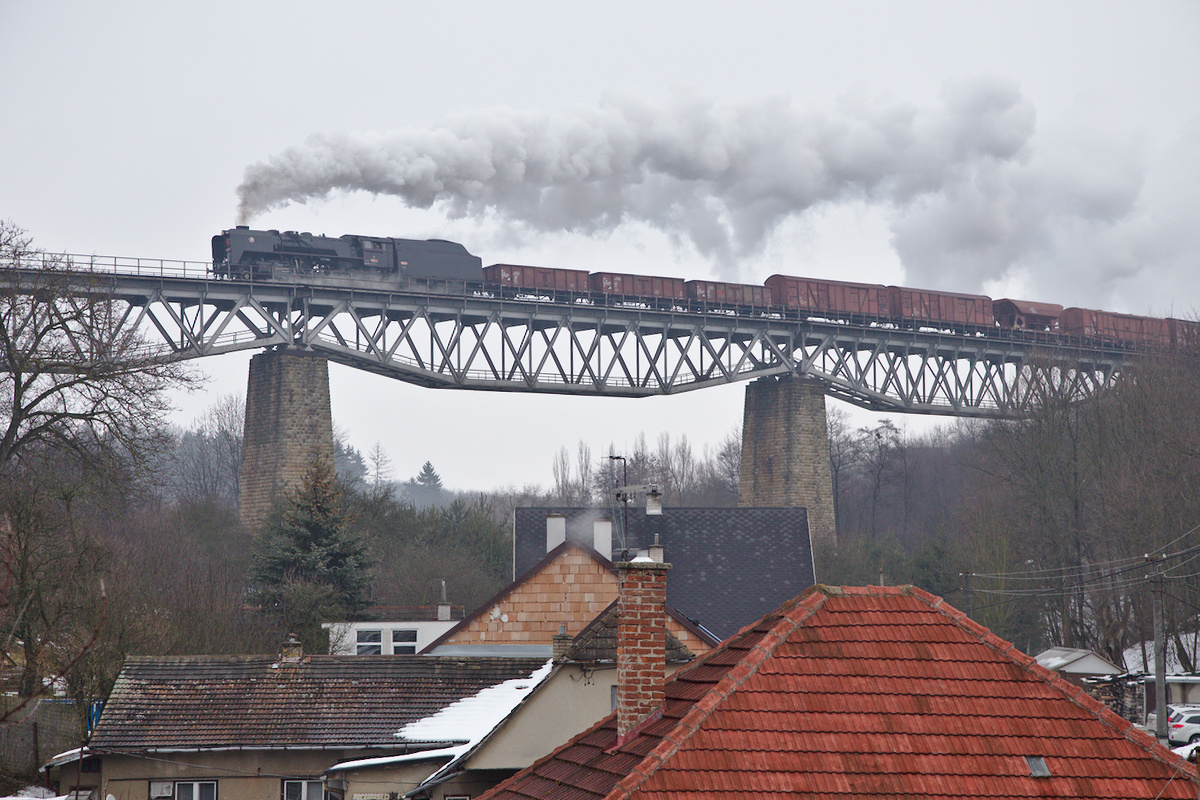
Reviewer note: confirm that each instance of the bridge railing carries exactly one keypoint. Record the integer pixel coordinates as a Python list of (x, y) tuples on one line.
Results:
[(120, 265)]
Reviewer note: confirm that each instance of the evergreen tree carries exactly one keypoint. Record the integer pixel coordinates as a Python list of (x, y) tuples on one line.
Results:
[(428, 478), (307, 551)]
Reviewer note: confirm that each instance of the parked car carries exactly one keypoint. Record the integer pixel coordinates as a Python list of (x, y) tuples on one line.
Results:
[(1185, 728), (1174, 712)]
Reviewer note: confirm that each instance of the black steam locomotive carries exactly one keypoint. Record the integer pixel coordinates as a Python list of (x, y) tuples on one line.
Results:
[(272, 255)]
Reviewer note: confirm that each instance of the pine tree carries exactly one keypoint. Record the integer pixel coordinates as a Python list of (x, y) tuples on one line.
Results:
[(428, 478), (308, 543)]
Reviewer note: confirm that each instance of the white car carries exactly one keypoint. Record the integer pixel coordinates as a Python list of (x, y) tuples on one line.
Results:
[(1173, 711), (1184, 728)]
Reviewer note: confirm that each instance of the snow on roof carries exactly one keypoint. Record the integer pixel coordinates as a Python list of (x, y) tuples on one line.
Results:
[(1057, 657), (467, 721), (474, 717)]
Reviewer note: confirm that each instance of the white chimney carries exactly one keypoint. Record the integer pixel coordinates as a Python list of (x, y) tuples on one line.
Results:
[(556, 530), (602, 537)]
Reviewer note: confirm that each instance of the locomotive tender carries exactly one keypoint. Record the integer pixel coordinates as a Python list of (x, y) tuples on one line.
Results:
[(244, 254)]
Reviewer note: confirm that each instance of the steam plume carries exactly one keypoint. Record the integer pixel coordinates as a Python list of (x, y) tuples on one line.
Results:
[(722, 176), (969, 198)]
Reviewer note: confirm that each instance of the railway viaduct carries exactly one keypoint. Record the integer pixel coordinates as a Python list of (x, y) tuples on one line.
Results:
[(452, 335)]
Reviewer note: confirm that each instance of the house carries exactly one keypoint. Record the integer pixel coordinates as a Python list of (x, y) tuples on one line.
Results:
[(855, 693), (242, 727), (730, 565), (567, 589), (397, 631), (502, 736), (1075, 664)]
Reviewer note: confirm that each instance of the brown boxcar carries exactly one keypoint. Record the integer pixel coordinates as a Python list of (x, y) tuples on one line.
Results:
[(823, 296), (1184, 333), (550, 279), (1116, 327), (941, 307), (739, 294), (651, 286), (1026, 314)]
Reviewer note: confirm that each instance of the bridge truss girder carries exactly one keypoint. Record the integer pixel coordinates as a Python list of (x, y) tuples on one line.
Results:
[(477, 340)]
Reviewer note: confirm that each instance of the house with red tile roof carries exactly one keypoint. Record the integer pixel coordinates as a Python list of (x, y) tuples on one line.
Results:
[(851, 693)]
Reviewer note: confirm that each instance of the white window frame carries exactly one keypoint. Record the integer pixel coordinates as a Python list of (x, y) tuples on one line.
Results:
[(368, 642), (404, 641), (306, 784), (195, 788)]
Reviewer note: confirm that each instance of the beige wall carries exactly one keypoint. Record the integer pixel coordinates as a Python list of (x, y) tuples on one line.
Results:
[(240, 775), (377, 783), (572, 700)]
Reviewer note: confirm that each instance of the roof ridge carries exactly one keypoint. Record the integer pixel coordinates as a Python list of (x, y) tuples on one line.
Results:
[(746, 667), (1070, 691)]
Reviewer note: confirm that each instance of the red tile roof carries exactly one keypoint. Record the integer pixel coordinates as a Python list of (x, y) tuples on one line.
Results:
[(863, 692)]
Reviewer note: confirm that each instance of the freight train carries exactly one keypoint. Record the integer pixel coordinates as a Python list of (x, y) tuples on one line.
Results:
[(244, 254)]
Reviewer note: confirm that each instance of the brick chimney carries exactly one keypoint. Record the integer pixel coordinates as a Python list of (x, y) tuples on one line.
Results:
[(641, 641), (293, 650)]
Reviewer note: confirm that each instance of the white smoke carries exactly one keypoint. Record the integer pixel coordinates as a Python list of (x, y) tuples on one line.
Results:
[(722, 176), (971, 201)]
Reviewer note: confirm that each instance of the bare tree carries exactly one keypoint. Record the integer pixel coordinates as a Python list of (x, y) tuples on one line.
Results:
[(72, 371)]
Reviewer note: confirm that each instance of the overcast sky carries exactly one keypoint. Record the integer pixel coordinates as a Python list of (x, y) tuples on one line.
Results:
[(1047, 151)]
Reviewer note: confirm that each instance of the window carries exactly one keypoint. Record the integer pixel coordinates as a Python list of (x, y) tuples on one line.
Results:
[(308, 790), (370, 643), (196, 790), (404, 641)]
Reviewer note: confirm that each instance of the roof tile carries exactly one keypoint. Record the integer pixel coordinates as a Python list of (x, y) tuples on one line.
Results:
[(881, 692)]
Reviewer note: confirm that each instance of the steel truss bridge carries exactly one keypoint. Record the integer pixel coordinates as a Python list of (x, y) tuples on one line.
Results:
[(466, 336)]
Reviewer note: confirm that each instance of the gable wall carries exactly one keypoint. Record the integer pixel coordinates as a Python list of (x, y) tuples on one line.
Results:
[(571, 590)]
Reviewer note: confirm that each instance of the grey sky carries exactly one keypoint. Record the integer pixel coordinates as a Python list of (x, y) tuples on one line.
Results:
[(1049, 151)]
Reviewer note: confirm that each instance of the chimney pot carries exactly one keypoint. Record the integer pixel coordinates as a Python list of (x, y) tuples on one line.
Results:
[(556, 530)]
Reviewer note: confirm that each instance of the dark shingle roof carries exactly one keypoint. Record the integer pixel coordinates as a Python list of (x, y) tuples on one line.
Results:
[(729, 565), (872, 692), (598, 641), (257, 701)]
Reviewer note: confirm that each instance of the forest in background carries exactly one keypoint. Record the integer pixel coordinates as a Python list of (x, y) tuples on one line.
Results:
[(119, 533)]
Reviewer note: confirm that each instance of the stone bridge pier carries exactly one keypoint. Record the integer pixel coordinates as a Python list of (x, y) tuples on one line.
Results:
[(288, 427), (785, 452)]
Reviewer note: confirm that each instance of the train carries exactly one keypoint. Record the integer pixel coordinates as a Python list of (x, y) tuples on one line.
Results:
[(244, 254)]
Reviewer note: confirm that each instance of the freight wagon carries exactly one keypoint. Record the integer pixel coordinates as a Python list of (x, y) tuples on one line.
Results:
[(648, 286), (837, 297), (548, 279), (972, 310), (734, 294)]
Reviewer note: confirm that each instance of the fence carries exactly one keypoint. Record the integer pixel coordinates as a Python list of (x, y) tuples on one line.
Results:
[(33, 733)]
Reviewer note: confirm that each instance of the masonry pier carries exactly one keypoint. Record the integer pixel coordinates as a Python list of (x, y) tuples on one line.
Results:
[(785, 451), (288, 427)]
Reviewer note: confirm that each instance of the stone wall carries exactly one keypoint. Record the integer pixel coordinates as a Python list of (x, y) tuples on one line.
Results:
[(288, 427), (785, 451)]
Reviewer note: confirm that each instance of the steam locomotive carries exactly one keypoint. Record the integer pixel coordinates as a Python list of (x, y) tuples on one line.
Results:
[(271, 255), (244, 254)]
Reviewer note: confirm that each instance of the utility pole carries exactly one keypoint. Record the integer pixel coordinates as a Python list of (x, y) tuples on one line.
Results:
[(1160, 656)]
